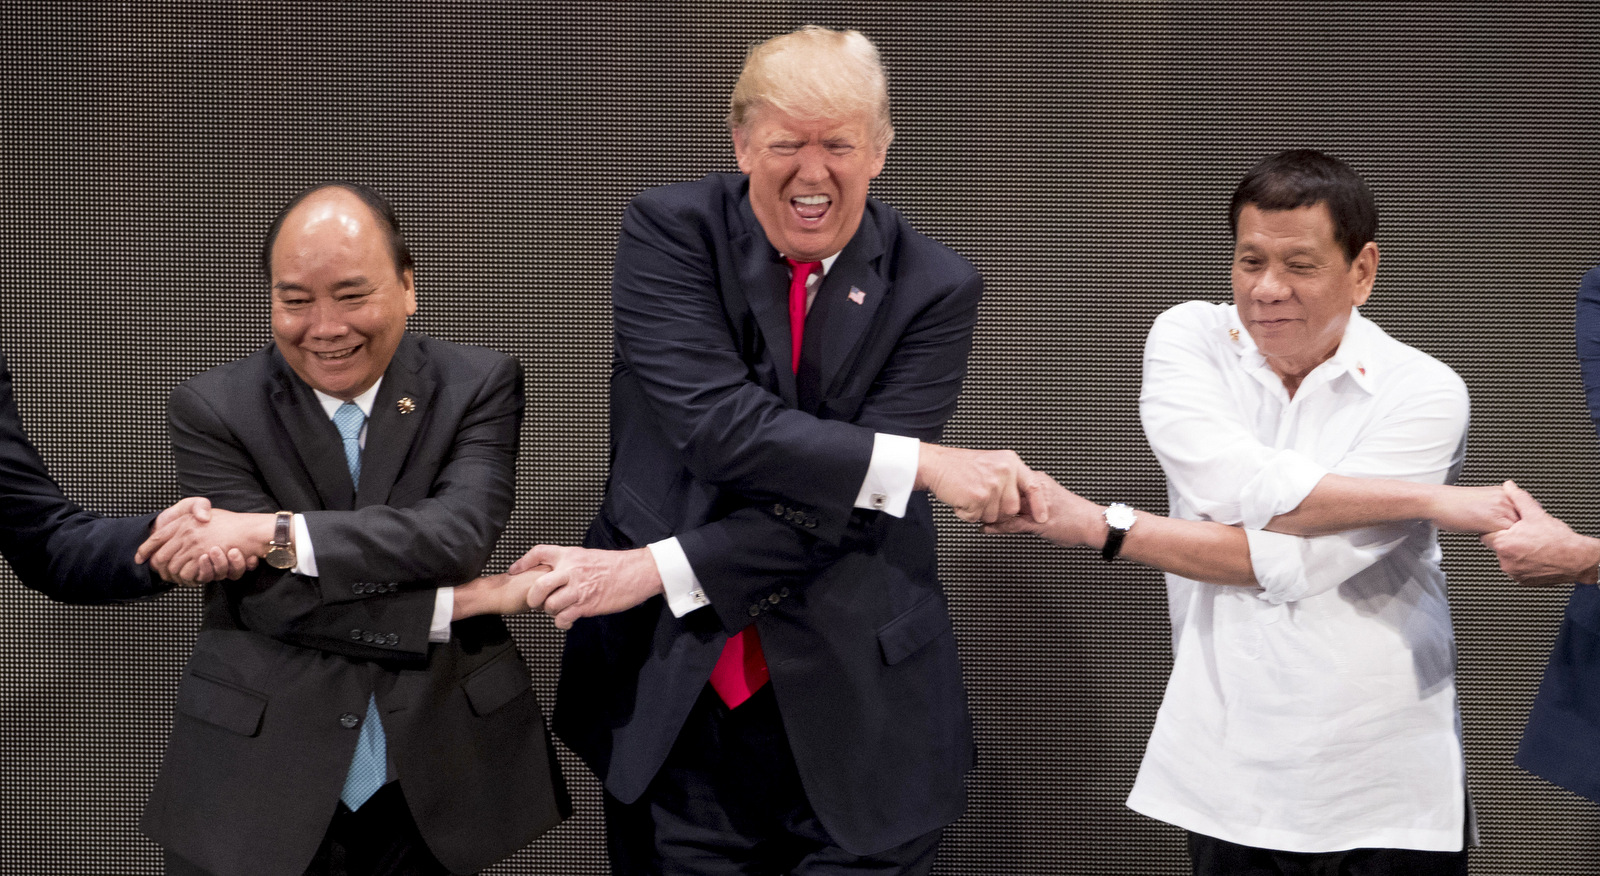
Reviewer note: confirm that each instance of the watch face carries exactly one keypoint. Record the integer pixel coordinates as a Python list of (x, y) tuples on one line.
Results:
[(1119, 516), (280, 557)]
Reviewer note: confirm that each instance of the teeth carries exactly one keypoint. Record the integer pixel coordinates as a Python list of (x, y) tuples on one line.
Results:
[(812, 200), (341, 354)]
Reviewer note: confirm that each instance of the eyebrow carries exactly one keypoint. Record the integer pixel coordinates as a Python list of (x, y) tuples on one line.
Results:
[(348, 283)]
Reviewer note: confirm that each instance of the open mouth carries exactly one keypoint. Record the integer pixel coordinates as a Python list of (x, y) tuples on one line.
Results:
[(811, 208), (337, 355)]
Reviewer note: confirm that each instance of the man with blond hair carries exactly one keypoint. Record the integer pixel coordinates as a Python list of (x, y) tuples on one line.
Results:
[(761, 667)]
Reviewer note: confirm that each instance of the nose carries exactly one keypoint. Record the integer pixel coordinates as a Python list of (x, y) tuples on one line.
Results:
[(327, 323), (1271, 287), (813, 164)]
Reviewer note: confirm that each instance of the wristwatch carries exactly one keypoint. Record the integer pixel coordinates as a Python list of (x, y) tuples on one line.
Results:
[(280, 551), (1119, 519)]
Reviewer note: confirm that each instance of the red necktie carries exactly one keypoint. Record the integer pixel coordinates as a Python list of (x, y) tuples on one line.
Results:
[(742, 668)]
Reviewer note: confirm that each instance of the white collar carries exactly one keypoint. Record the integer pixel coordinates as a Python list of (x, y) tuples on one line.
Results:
[(363, 401)]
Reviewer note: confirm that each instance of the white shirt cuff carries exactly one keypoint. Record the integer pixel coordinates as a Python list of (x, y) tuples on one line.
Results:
[(305, 556), (678, 579), (1278, 488), (444, 605), (890, 475)]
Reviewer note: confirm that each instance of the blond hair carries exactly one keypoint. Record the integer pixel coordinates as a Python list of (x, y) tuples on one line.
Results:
[(814, 73)]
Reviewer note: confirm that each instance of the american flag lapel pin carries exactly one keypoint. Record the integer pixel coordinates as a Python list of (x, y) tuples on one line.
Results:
[(857, 296)]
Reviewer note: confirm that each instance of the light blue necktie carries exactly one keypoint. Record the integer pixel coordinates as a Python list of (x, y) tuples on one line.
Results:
[(370, 767)]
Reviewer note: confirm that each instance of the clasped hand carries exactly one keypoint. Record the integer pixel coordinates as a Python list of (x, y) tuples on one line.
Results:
[(565, 583), (192, 543)]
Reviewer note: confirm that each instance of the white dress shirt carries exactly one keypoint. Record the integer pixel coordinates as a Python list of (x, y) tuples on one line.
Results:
[(444, 602), (891, 473), (1317, 712)]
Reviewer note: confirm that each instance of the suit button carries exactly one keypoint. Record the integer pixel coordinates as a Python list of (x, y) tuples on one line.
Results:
[(360, 588), (774, 598), (368, 637), (755, 609), (355, 635), (811, 523), (392, 639), (778, 510), (349, 720), (783, 591)]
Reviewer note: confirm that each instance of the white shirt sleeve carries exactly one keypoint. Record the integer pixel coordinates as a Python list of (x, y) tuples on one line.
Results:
[(1197, 431), (305, 563), (305, 555), (444, 605), (678, 579), (891, 474)]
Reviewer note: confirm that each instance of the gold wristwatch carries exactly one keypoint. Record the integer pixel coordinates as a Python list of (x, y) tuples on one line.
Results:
[(280, 551)]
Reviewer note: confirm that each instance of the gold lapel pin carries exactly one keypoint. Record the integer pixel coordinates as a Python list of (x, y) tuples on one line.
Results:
[(406, 405), (1233, 335)]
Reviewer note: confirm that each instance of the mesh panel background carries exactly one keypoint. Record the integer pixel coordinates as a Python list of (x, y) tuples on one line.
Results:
[(1080, 154)]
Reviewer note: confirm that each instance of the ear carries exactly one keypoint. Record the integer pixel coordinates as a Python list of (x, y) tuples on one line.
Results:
[(741, 149), (1364, 269), (408, 286), (879, 159)]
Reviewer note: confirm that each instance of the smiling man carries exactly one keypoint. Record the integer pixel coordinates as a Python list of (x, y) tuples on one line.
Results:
[(1310, 724), (761, 666), (332, 720)]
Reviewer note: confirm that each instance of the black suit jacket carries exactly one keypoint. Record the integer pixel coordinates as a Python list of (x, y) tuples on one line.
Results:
[(755, 470), (1562, 739), (260, 746), (54, 546)]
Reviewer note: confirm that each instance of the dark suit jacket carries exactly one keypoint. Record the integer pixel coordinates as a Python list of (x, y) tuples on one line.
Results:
[(716, 441), (54, 546), (1562, 740), (259, 752)]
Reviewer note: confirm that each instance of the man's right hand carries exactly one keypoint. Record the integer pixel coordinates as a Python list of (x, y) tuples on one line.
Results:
[(982, 486), (1474, 510)]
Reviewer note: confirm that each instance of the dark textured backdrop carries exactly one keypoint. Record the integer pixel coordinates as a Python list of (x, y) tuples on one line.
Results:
[(1080, 154)]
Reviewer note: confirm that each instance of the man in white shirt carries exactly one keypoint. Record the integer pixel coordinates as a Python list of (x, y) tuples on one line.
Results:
[(1310, 724)]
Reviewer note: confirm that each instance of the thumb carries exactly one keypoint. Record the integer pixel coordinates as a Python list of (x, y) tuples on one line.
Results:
[(1523, 501), (539, 555)]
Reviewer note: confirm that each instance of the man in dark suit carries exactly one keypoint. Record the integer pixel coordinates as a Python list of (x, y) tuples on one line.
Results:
[(73, 555), (1563, 733), (785, 349), (332, 719)]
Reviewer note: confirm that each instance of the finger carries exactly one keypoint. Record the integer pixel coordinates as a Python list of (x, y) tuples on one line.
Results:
[(189, 572), (1522, 500), (199, 508), (566, 619), (538, 555), (205, 569), (561, 600), (236, 564), (250, 562), (1039, 499), (1011, 496), (539, 591)]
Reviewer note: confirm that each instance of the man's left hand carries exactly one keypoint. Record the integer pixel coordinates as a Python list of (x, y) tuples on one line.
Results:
[(193, 543), (584, 582), (1540, 550)]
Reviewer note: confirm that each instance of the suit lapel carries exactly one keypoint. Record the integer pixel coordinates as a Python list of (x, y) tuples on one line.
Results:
[(849, 296), (315, 438), (764, 279), (393, 426)]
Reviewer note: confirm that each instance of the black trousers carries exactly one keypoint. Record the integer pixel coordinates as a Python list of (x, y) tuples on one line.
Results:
[(728, 802), (1213, 857), (379, 839)]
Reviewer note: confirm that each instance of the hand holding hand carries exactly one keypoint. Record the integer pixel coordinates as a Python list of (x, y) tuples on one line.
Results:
[(193, 543), (506, 593), (203, 563), (1073, 521), (584, 582), (981, 485), (1474, 510), (1540, 550)]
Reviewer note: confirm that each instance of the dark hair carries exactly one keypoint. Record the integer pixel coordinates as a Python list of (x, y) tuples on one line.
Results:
[(377, 203), (1305, 178)]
